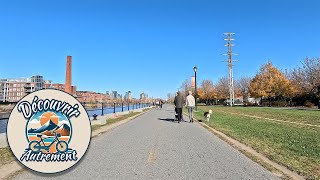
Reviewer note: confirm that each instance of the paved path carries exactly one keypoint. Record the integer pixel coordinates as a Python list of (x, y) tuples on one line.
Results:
[(3, 135), (3, 125), (150, 147)]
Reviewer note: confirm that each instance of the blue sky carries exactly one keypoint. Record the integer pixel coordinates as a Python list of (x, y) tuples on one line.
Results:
[(152, 45)]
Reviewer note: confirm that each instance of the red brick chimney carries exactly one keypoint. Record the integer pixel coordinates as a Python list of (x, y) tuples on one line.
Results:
[(68, 87)]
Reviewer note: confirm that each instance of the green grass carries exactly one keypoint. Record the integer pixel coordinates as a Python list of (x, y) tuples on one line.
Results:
[(295, 146), (293, 115), (120, 118), (6, 156), (114, 120)]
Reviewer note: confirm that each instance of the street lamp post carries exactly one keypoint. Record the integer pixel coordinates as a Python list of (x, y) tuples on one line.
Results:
[(195, 86), (101, 105), (101, 108), (122, 106)]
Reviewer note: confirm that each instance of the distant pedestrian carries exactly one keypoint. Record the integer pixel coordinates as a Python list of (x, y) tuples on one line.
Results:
[(161, 103), (178, 102), (190, 103), (158, 103)]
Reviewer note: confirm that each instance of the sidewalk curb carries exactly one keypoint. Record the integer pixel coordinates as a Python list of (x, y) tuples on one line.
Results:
[(8, 170), (246, 149), (107, 128)]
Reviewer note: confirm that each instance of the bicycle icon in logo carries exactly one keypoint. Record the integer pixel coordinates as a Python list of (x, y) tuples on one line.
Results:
[(61, 146)]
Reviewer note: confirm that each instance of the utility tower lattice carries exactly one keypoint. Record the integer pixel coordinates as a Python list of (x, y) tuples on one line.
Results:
[(229, 39)]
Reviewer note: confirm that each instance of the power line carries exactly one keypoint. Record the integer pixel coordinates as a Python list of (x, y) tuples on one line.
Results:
[(229, 44)]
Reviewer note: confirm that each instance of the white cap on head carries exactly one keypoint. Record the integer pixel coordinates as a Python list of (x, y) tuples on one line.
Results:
[(190, 93)]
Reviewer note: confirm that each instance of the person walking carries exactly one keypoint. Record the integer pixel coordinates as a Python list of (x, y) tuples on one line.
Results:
[(190, 103), (161, 103), (158, 104), (178, 102)]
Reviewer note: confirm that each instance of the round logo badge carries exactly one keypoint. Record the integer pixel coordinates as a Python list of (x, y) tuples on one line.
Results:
[(49, 131)]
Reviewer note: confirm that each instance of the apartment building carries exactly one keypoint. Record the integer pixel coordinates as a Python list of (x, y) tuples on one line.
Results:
[(12, 90)]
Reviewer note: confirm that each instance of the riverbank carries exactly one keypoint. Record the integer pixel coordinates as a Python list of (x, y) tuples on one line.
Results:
[(6, 108)]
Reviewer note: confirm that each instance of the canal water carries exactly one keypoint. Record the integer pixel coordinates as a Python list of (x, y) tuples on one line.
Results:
[(91, 112), (110, 110)]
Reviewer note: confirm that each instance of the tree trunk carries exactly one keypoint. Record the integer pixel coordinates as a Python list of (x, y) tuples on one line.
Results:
[(261, 101), (269, 101), (319, 97)]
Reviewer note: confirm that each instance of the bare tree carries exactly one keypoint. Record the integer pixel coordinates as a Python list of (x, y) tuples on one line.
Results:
[(242, 86), (222, 88), (307, 77), (185, 87), (311, 67), (170, 97)]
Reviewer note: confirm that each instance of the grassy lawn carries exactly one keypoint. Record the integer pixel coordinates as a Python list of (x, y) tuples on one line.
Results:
[(293, 115), (294, 146), (6, 156), (114, 120)]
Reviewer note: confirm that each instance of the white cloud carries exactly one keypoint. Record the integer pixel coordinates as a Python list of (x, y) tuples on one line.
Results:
[(34, 121), (54, 116), (64, 121)]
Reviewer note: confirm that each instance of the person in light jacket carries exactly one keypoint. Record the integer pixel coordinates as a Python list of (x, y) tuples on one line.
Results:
[(190, 103)]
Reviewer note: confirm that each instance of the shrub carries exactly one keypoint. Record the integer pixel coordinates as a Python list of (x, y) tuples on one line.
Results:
[(308, 104), (279, 103), (250, 104)]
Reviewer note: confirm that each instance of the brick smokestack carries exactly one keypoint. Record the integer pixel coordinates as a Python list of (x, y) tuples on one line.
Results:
[(68, 87)]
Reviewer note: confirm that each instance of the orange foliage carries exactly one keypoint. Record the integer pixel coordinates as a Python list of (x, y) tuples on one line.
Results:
[(271, 82)]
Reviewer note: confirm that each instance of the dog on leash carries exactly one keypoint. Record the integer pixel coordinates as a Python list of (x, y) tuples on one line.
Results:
[(207, 115)]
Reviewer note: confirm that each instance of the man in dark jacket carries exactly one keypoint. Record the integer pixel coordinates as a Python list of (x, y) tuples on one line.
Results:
[(178, 102)]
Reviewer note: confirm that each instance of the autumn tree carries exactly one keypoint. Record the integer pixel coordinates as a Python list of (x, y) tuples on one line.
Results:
[(207, 91), (269, 82)]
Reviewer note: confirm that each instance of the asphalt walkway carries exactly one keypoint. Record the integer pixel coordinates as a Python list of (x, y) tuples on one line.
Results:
[(154, 147)]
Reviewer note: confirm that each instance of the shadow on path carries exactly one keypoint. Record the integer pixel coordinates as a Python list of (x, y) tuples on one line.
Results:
[(171, 120), (167, 119)]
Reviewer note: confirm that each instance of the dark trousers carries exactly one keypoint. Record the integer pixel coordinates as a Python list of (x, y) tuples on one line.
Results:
[(179, 112)]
